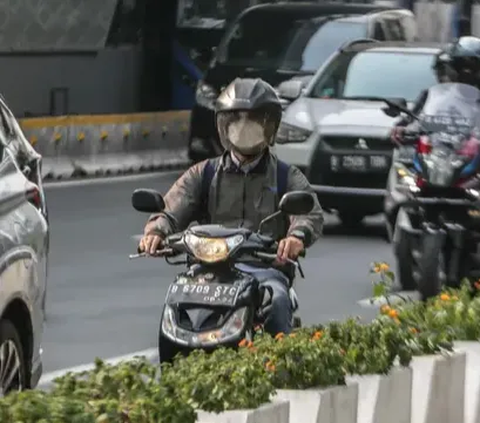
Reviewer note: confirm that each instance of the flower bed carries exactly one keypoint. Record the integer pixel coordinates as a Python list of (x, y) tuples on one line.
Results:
[(295, 377)]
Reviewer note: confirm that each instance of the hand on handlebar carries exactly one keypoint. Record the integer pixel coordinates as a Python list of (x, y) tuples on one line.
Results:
[(289, 248), (151, 241)]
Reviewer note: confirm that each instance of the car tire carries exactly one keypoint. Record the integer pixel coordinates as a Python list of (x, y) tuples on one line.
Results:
[(351, 220), (10, 343)]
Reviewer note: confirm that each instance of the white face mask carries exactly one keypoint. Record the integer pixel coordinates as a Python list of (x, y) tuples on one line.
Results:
[(246, 135)]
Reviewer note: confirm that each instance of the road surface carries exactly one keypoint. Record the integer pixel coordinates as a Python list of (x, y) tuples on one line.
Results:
[(101, 304)]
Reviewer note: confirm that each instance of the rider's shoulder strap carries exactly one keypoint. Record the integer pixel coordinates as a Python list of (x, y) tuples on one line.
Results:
[(207, 177), (282, 178)]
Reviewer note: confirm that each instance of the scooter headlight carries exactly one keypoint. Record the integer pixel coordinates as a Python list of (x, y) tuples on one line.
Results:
[(212, 250), (232, 329)]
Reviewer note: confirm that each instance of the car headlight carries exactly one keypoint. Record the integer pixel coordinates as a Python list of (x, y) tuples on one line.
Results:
[(212, 250), (289, 133), (206, 95), (406, 180), (232, 329)]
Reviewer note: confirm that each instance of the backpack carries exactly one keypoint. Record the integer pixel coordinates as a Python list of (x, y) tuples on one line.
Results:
[(209, 173)]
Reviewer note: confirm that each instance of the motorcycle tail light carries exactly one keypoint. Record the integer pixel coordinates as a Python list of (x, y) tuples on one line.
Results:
[(424, 146), (34, 197)]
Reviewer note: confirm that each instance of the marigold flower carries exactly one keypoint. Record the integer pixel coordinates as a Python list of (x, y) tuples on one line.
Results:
[(243, 343), (279, 336), (384, 267), (444, 297), (249, 344), (385, 309), (292, 335), (376, 269), (317, 335), (270, 366), (392, 313)]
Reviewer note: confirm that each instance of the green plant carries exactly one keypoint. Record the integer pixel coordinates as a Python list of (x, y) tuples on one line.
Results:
[(300, 360), (222, 380)]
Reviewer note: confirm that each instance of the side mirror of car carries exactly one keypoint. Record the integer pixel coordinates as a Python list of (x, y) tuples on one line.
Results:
[(147, 200), (290, 90), (395, 106), (297, 203)]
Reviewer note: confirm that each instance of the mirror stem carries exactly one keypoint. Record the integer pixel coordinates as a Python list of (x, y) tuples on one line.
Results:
[(268, 219)]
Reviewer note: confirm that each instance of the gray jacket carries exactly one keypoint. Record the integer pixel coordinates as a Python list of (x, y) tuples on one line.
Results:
[(237, 199)]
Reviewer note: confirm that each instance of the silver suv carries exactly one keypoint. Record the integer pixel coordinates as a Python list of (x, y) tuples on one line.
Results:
[(24, 245)]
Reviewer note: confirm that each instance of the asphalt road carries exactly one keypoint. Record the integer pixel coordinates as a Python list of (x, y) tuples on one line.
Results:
[(100, 303)]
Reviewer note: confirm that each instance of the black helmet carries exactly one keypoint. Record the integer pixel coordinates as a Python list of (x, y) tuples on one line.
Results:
[(248, 113), (461, 61)]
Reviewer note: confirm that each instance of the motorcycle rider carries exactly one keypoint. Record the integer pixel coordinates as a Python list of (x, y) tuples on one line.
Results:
[(459, 62), (242, 193)]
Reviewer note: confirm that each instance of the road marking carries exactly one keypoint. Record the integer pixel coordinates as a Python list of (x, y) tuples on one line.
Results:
[(394, 298), (47, 379), (109, 179)]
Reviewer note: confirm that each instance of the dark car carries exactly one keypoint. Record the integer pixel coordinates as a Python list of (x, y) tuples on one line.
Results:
[(336, 131), (24, 244), (277, 42)]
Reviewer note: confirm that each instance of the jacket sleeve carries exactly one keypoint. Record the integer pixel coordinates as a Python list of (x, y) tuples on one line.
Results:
[(310, 224), (182, 202)]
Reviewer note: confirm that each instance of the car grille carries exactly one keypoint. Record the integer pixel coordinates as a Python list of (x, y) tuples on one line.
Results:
[(353, 143)]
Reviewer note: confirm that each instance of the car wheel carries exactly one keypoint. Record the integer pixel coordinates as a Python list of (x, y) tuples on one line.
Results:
[(351, 220), (13, 371)]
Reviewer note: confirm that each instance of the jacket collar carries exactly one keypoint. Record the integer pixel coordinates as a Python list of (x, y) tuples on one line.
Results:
[(230, 165)]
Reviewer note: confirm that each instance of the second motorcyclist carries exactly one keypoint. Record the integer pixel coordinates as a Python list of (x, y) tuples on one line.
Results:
[(242, 187)]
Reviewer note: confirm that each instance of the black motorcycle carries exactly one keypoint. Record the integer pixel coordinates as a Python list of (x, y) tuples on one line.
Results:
[(214, 303), (432, 201)]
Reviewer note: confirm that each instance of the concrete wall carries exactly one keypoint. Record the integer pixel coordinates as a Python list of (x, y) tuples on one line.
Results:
[(103, 82)]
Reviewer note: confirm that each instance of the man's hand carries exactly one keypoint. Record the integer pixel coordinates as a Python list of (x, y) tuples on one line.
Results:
[(289, 248), (397, 134), (151, 240)]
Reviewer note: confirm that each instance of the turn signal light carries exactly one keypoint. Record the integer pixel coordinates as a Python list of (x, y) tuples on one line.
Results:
[(424, 146)]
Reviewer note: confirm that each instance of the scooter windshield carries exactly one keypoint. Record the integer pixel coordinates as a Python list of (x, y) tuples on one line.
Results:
[(451, 118)]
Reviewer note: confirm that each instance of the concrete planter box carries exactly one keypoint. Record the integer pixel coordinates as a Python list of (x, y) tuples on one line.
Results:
[(438, 388), (275, 412), (472, 380), (332, 405), (384, 398)]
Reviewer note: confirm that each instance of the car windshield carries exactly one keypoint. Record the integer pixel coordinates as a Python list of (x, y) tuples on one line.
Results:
[(376, 74), (285, 41), (314, 43)]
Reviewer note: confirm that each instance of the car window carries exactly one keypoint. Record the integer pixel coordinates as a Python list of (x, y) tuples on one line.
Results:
[(281, 40), (395, 75), (258, 39), (378, 32), (315, 43), (395, 29)]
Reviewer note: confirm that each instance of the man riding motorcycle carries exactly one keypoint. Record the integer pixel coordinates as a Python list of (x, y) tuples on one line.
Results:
[(459, 62), (242, 190)]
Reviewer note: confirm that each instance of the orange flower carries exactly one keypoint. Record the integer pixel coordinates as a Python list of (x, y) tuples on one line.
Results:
[(393, 313), (384, 267), (413, 330), (385, 309), (270, 366), (317, 335), (376, 269), (249, 344), (444, 297), (243, 343), (292, 335), (279, 336)]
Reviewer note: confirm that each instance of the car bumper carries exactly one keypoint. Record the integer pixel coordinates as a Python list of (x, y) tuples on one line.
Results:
[(203, 139)]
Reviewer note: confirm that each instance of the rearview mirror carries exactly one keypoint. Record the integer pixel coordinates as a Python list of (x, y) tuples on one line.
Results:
[(290, 90), (147, 200), (297, 203)]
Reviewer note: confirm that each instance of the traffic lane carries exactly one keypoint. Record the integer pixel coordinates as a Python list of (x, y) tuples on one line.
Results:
[(100, 303)]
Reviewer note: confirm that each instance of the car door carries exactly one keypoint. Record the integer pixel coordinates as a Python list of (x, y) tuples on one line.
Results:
[(24, 232)]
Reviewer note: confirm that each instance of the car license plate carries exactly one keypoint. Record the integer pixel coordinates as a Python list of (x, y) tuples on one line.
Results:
[(211, 293), (352, 163)]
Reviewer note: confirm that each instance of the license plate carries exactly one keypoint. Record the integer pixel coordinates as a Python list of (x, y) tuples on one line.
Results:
[(352, 163), (215, 294)]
